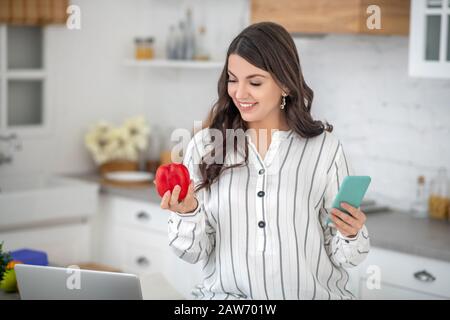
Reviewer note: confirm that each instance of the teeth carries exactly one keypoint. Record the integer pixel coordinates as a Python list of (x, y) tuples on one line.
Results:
[(246, 105)]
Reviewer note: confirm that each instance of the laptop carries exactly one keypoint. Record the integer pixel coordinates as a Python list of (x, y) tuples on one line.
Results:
[(55, 283)]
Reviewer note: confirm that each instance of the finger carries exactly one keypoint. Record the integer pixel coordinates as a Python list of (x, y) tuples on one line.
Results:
[(344, 228), (346, 218), (189, 193), (165, 200), (355, 212), (175, 195), (191, 186), (350, 209), (361, 216)]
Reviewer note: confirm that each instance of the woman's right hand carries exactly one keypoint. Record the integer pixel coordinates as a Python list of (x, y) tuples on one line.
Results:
[(170, 202)]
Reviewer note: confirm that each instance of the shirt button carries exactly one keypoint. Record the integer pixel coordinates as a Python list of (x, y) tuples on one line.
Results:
[(261, 171), (261, 194), (261, 224)]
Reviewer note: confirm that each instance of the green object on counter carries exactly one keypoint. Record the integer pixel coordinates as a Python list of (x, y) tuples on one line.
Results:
[(9, 283), (5, 258)]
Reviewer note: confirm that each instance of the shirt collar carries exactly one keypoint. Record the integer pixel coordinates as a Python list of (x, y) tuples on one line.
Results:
[(277, 135)]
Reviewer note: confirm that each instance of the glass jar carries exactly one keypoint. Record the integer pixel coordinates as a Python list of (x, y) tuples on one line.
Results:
[(439, 199), (138, 48), (144, 48), (148, 51)]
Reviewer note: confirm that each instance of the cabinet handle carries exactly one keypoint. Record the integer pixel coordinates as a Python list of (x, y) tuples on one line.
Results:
[(143, 261), (424, 276), (143, 216)]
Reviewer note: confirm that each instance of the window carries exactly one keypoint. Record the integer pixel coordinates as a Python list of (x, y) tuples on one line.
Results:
[(429, 49), (22, 79)]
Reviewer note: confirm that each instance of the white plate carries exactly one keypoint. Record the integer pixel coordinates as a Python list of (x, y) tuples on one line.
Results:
[(129, 176)]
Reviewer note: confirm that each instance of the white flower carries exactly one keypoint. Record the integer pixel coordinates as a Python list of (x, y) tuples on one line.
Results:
[(107, 143), (138, 131), (98, 141), (122, 149)]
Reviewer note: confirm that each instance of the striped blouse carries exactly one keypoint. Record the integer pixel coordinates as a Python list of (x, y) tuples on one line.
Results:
[(261, 231)]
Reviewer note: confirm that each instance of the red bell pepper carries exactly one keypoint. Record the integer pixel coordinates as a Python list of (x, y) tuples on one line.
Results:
[(170, 175)]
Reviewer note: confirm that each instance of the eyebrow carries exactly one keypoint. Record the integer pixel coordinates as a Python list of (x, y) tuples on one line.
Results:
[(250, 76)]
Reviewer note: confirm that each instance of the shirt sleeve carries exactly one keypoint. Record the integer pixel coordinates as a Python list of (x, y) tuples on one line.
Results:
[(191, 236), (343, 251)]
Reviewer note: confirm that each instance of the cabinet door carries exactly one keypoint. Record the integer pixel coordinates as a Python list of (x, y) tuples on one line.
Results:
[(429, 47), (141, 252), (330, 16), (320, 16), (119, 225), (138, 214)]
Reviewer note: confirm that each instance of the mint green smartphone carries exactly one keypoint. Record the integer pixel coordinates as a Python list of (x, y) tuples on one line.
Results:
[(351, 191)]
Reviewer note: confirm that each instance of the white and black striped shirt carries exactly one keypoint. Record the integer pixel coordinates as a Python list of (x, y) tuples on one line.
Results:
[(261, 232)]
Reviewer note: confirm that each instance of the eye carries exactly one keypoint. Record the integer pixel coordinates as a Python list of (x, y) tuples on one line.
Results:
[(255, 84), (229, 80)]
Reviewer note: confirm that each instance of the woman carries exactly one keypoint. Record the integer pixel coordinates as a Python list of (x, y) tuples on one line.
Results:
[(257, 221)]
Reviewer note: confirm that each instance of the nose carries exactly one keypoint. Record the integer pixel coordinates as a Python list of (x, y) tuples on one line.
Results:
[(241, 92)]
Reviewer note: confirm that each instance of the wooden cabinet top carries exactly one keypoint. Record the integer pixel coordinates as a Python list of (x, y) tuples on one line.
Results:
[(331, 16)]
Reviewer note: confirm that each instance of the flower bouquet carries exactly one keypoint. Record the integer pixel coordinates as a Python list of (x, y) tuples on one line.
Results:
[(118, 148)]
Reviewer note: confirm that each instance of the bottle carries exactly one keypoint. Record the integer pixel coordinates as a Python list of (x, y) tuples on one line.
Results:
[(171, 43), (189, 36), (438, 202), (181, 42), (419, 207), (201, 53)]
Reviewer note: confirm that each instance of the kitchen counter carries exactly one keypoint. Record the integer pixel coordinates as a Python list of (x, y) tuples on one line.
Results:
[(400, 231), (392, 230), (140, 193)]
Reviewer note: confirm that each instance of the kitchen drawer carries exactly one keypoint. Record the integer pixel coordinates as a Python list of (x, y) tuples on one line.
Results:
[(137, 214), (142, 253), (401, 271)]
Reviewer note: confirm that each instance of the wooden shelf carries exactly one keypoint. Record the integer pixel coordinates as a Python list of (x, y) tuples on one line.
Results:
[(179, 64)]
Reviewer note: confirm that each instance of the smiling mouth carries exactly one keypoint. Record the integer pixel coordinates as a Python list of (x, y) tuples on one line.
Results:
[(247, 105)]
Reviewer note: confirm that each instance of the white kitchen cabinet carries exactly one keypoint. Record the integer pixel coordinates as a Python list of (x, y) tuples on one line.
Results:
[(132, 235), (123, 222), (429, 39), (400, 276)]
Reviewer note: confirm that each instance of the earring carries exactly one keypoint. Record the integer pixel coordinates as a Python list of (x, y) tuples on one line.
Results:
[(283, 102)]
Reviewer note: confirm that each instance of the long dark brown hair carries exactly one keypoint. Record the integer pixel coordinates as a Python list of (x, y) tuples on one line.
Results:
[(270, 47)]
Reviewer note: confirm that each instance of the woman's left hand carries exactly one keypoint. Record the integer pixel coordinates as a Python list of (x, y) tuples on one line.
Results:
[(348, 225)]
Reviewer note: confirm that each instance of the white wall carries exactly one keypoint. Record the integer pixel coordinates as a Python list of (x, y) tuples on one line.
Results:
[(393, 127), (88, 80)]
